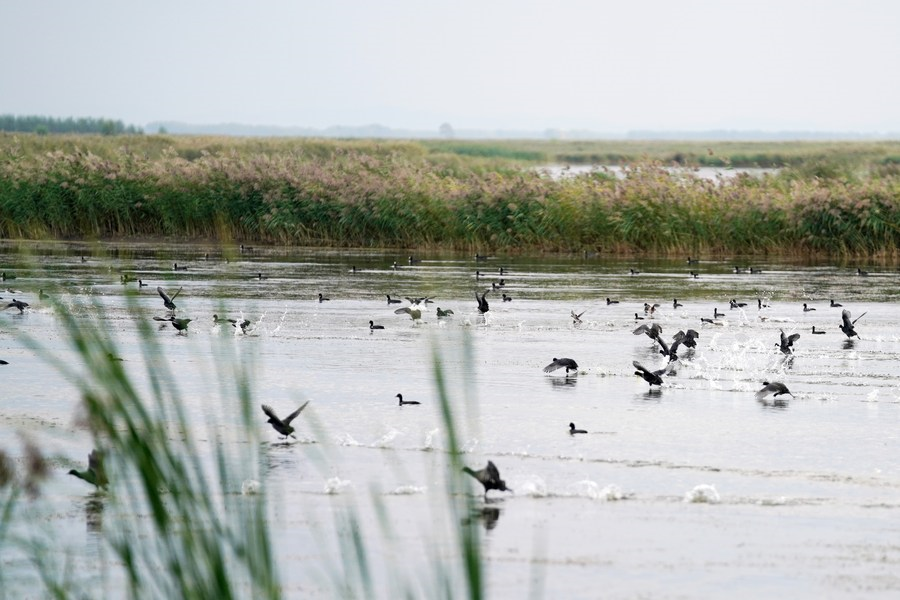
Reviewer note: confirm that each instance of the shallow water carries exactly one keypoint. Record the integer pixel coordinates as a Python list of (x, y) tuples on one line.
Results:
[(689, 490)]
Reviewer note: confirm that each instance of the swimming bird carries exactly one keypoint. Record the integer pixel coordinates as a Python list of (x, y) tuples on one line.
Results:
[(42, 295), (755, 271), (633, 272), (246, 249), (717, 314), (692, 261), (847, 324), (443, 313), (835, 304), (481, 256), (323, 298), (260, 277), (501, 271), (219, 320), (573, 431), (738, 270), (760, 304), (652, 330), (414, 313), (405, 402), (175, 267), (735, 304), (392, 300), (637, 317), (507, 298), (483, 306), (4, 276), (180, 324), (372, 325), (861, 273), (141, 283), (17, 304), (95, 474), (787, 342), (559, 363), (694, 274), (652, 377), (283, 426), (776, 386), (576, 317), (168, 302), (413, 260), (676, 303), (608, 301), (489, 477), (817, 331), (807, 308)]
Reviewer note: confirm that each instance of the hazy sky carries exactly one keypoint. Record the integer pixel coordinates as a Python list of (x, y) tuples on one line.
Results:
[(488, 64)]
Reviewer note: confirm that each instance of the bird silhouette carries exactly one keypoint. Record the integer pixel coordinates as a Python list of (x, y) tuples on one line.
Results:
[(414, 313), (17, 304), (847, 324), (403, 402), (807, 308), (609, 301), (559, 363), (483, 306), (835, 304), (817, 331), (323, 298), (392, 300), (776, 388), (95, 474), (489, 477), (443, 313), (676, 303), (283, 426), (573, 431), (652, 377), (372, 325), (576, 317), (168, 302), (786, 344)]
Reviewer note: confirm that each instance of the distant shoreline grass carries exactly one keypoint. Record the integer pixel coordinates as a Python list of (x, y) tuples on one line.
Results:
[(831, 199)]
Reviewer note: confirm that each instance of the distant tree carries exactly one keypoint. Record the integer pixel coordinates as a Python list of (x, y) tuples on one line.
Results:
[(41, 130), (446, 130), (45, 125), (162, 130)]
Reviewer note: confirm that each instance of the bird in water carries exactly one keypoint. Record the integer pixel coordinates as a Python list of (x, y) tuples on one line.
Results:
[(652, 377), (175, 267), (323, 298), (507, 298), (786, 344), (180, 324), (609, 301), (141, 283), (443, 313), (689, 338), (573, 431), (861, 273), (676, 303), (283, 426), (694, 274), (637, 317), (847, 324), (807, 308), (220, 320), (653, 330), (414, 313), (17, 304), (717, 314), (817, 331), (483, 306), (243, 325), (168, 302), (372, 325), (692, 261), (393, 300), (559, 363), (776, 388), (835, 304), (403, 402), (489, 477), (576, 317), (42, 295), (95, 474), (735, 304), (633, 272)]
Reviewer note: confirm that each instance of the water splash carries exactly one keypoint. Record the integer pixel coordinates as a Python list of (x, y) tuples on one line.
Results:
[(703, 494), (336, 485), (533, 486), (250, 487), (408, 490)]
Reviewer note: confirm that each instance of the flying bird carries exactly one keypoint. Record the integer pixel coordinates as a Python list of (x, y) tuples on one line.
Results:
[(414, 313), (847, 324), (652, 377), (776, 388), (559, 363), (95, 474), (489, 477), (283, 426), (787, 342), (168, 302), (483, 306)]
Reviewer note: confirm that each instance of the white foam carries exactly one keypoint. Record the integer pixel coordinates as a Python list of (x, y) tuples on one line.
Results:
[(429, 439), (336, 485), (387, 439), (408, 490), (534, 486), (702, 493), (250, 487)]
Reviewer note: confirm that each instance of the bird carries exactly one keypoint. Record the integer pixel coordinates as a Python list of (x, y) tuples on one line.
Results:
[(283, 426), (776, 386), (573, 431), (559, 363), (141, 283), (652, 377), (443, 313), (392, 300), (694, 274), (738, 270), (652, 330), (168, 302), (755, 271), (692, 261), (413, 260), (501, 271), (608, 301), (637, 317), (42, 295), (483, 306), (372, 325), (576, 317), (219, 320), (717, 314), (477, 275), (633, 272), (17, 304), (787, 342), (489, 477), (817, 332), (676, 303), (507, 298), (861, 273), (243, 325), (323, 298), (835, 304), (95, 474), (735, 304), (414, 313), (403, 402), (180, 324), (760, 304), (175, 267), (847, 324), (481, 256), (4, 276), (260, 277), (807, 308), (3, 362), (246, 249), (650, 308)]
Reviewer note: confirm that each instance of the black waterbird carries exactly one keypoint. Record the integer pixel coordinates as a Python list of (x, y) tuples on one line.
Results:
[(489, 477), (283, 426)]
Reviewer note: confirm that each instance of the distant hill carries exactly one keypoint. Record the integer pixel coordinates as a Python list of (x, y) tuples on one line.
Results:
[(380, 131)]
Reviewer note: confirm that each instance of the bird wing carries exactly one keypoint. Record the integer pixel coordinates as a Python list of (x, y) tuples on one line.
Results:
[(175, 295), (642, 328), (793, 338), (163, 318), (287, 420), (662, 343), (692, 334), (405, 309), (271, 413), (845, 317), (552, 366), (95, 464), (493, 474), (858, 318), (163, 295), (448, 311), (639, 366)]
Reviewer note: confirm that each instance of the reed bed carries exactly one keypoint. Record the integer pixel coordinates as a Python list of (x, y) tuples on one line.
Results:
[(366, 194)]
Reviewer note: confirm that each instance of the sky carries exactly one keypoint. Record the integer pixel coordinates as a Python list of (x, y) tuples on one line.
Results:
[(605, 66)]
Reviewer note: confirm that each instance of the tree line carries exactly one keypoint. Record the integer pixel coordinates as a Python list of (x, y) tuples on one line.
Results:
[(45, 125)]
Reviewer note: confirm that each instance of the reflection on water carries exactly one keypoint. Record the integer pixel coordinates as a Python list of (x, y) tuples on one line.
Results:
[(828, 464)]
